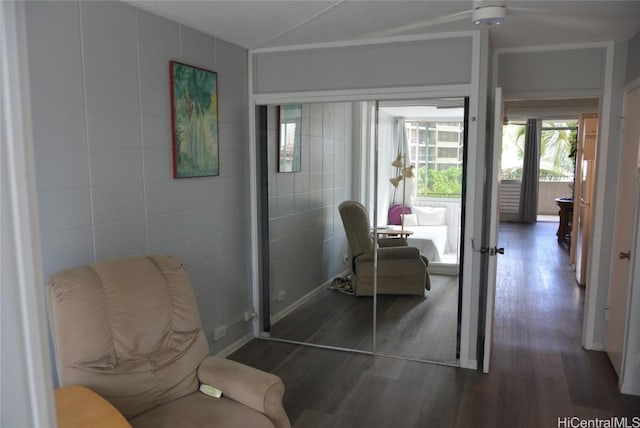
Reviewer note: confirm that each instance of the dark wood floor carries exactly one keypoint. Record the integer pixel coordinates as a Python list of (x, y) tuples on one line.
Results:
[(539, 371), (411, 326)]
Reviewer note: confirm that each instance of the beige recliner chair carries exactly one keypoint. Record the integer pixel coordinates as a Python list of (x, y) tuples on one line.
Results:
[(129, 329), (401, 269)]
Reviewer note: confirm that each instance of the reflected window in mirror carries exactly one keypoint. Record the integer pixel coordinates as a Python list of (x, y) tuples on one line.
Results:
[(290, 130)]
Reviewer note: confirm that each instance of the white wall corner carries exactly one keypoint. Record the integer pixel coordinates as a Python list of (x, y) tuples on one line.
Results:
[(596, 297), (25, 365)]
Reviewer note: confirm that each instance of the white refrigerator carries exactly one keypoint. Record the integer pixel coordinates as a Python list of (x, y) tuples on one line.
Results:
[(585, 176)]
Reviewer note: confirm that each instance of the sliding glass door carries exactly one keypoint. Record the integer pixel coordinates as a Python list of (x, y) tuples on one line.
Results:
[(421, 147), (376, 181), (310, 299)]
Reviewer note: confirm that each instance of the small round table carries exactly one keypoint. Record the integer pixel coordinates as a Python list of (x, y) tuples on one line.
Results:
[(388, 232)]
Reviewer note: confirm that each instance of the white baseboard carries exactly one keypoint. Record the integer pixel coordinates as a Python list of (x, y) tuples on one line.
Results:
[(304, 299), (448, 269), (631, 388), (595, 346), (469, 364), (235, 345)]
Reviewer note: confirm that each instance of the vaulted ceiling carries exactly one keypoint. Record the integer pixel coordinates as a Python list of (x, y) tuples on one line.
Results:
[(266, 23)]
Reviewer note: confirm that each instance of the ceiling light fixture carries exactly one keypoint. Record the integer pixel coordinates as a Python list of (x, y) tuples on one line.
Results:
[(489, 15)]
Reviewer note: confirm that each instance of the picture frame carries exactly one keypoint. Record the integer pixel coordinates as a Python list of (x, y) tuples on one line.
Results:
[(289, 137), (194, 121)]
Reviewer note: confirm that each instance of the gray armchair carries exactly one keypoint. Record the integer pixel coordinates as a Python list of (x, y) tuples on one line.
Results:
[(129, 330), (401, 269)]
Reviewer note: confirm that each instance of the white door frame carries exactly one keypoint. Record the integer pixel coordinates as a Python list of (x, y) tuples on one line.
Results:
[(595, 296), (493, 218), (467, 355), (474, 171), (25, 365)]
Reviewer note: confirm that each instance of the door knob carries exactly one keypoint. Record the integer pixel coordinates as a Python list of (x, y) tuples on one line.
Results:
[(626, 255)]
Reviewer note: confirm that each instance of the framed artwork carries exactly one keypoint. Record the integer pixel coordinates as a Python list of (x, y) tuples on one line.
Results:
[(194, 121), (289, 137)]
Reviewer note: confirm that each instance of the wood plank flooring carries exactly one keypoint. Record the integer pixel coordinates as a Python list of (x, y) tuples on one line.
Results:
[(411, 326), (539, 371)]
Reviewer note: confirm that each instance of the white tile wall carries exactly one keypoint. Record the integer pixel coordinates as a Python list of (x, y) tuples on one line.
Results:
[(73, 247), (57, 88), (120, 239), (158, 43), (115, 166), (197, 48), (167, 228), (307, 241), (61, 167), (99, 74), (66, 209)]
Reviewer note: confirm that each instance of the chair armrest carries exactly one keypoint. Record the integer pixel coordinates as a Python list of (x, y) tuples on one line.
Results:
[(390, 253), (252, 387)]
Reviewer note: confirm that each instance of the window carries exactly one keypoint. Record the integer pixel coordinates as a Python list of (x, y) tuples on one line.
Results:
[(290, 134), (448, 153), (513, 138), (557, 145), (557, 141), (435, 151)]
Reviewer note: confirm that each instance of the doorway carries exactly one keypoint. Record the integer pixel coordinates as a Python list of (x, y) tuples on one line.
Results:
[(559, 116)]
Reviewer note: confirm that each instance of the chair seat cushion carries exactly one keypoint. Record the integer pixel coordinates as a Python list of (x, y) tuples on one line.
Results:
[(200, 410)]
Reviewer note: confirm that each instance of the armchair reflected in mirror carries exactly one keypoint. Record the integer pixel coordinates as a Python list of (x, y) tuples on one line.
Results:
[(290, 130)]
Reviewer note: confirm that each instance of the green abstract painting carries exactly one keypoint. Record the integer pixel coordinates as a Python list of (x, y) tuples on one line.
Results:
[(194, 114)]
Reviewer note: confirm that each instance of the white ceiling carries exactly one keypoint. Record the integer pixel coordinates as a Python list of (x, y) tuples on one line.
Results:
[(266, 23)]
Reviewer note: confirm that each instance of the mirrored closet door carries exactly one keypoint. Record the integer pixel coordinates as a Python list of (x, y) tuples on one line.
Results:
[(333, 172), (310, 149), (421, 146)]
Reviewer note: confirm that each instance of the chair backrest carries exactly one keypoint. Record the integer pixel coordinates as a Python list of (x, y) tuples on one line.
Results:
[(129, 329), (356, 226)]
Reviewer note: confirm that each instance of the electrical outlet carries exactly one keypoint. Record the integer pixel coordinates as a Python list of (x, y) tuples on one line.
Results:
[(281, 296), (219, 332), (248, 314)]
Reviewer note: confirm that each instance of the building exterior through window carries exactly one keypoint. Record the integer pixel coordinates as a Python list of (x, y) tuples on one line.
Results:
[(435, 151)]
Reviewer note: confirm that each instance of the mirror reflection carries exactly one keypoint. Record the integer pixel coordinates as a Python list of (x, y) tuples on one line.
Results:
[(323, 221), (307, 246), (420, 168), (290, 131)]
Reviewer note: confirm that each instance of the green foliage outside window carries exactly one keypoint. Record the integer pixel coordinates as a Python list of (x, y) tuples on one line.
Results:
[(446, 183), (557, 151)]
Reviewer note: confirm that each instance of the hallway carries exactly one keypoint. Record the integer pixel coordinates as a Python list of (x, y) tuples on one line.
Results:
[(538, 364), (539, 371)]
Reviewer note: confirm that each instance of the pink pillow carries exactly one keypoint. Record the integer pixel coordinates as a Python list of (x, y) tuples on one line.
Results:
[(394, 214)]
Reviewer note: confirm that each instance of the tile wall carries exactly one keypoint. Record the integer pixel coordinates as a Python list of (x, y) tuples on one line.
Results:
[(306, 236), (99, 74)]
